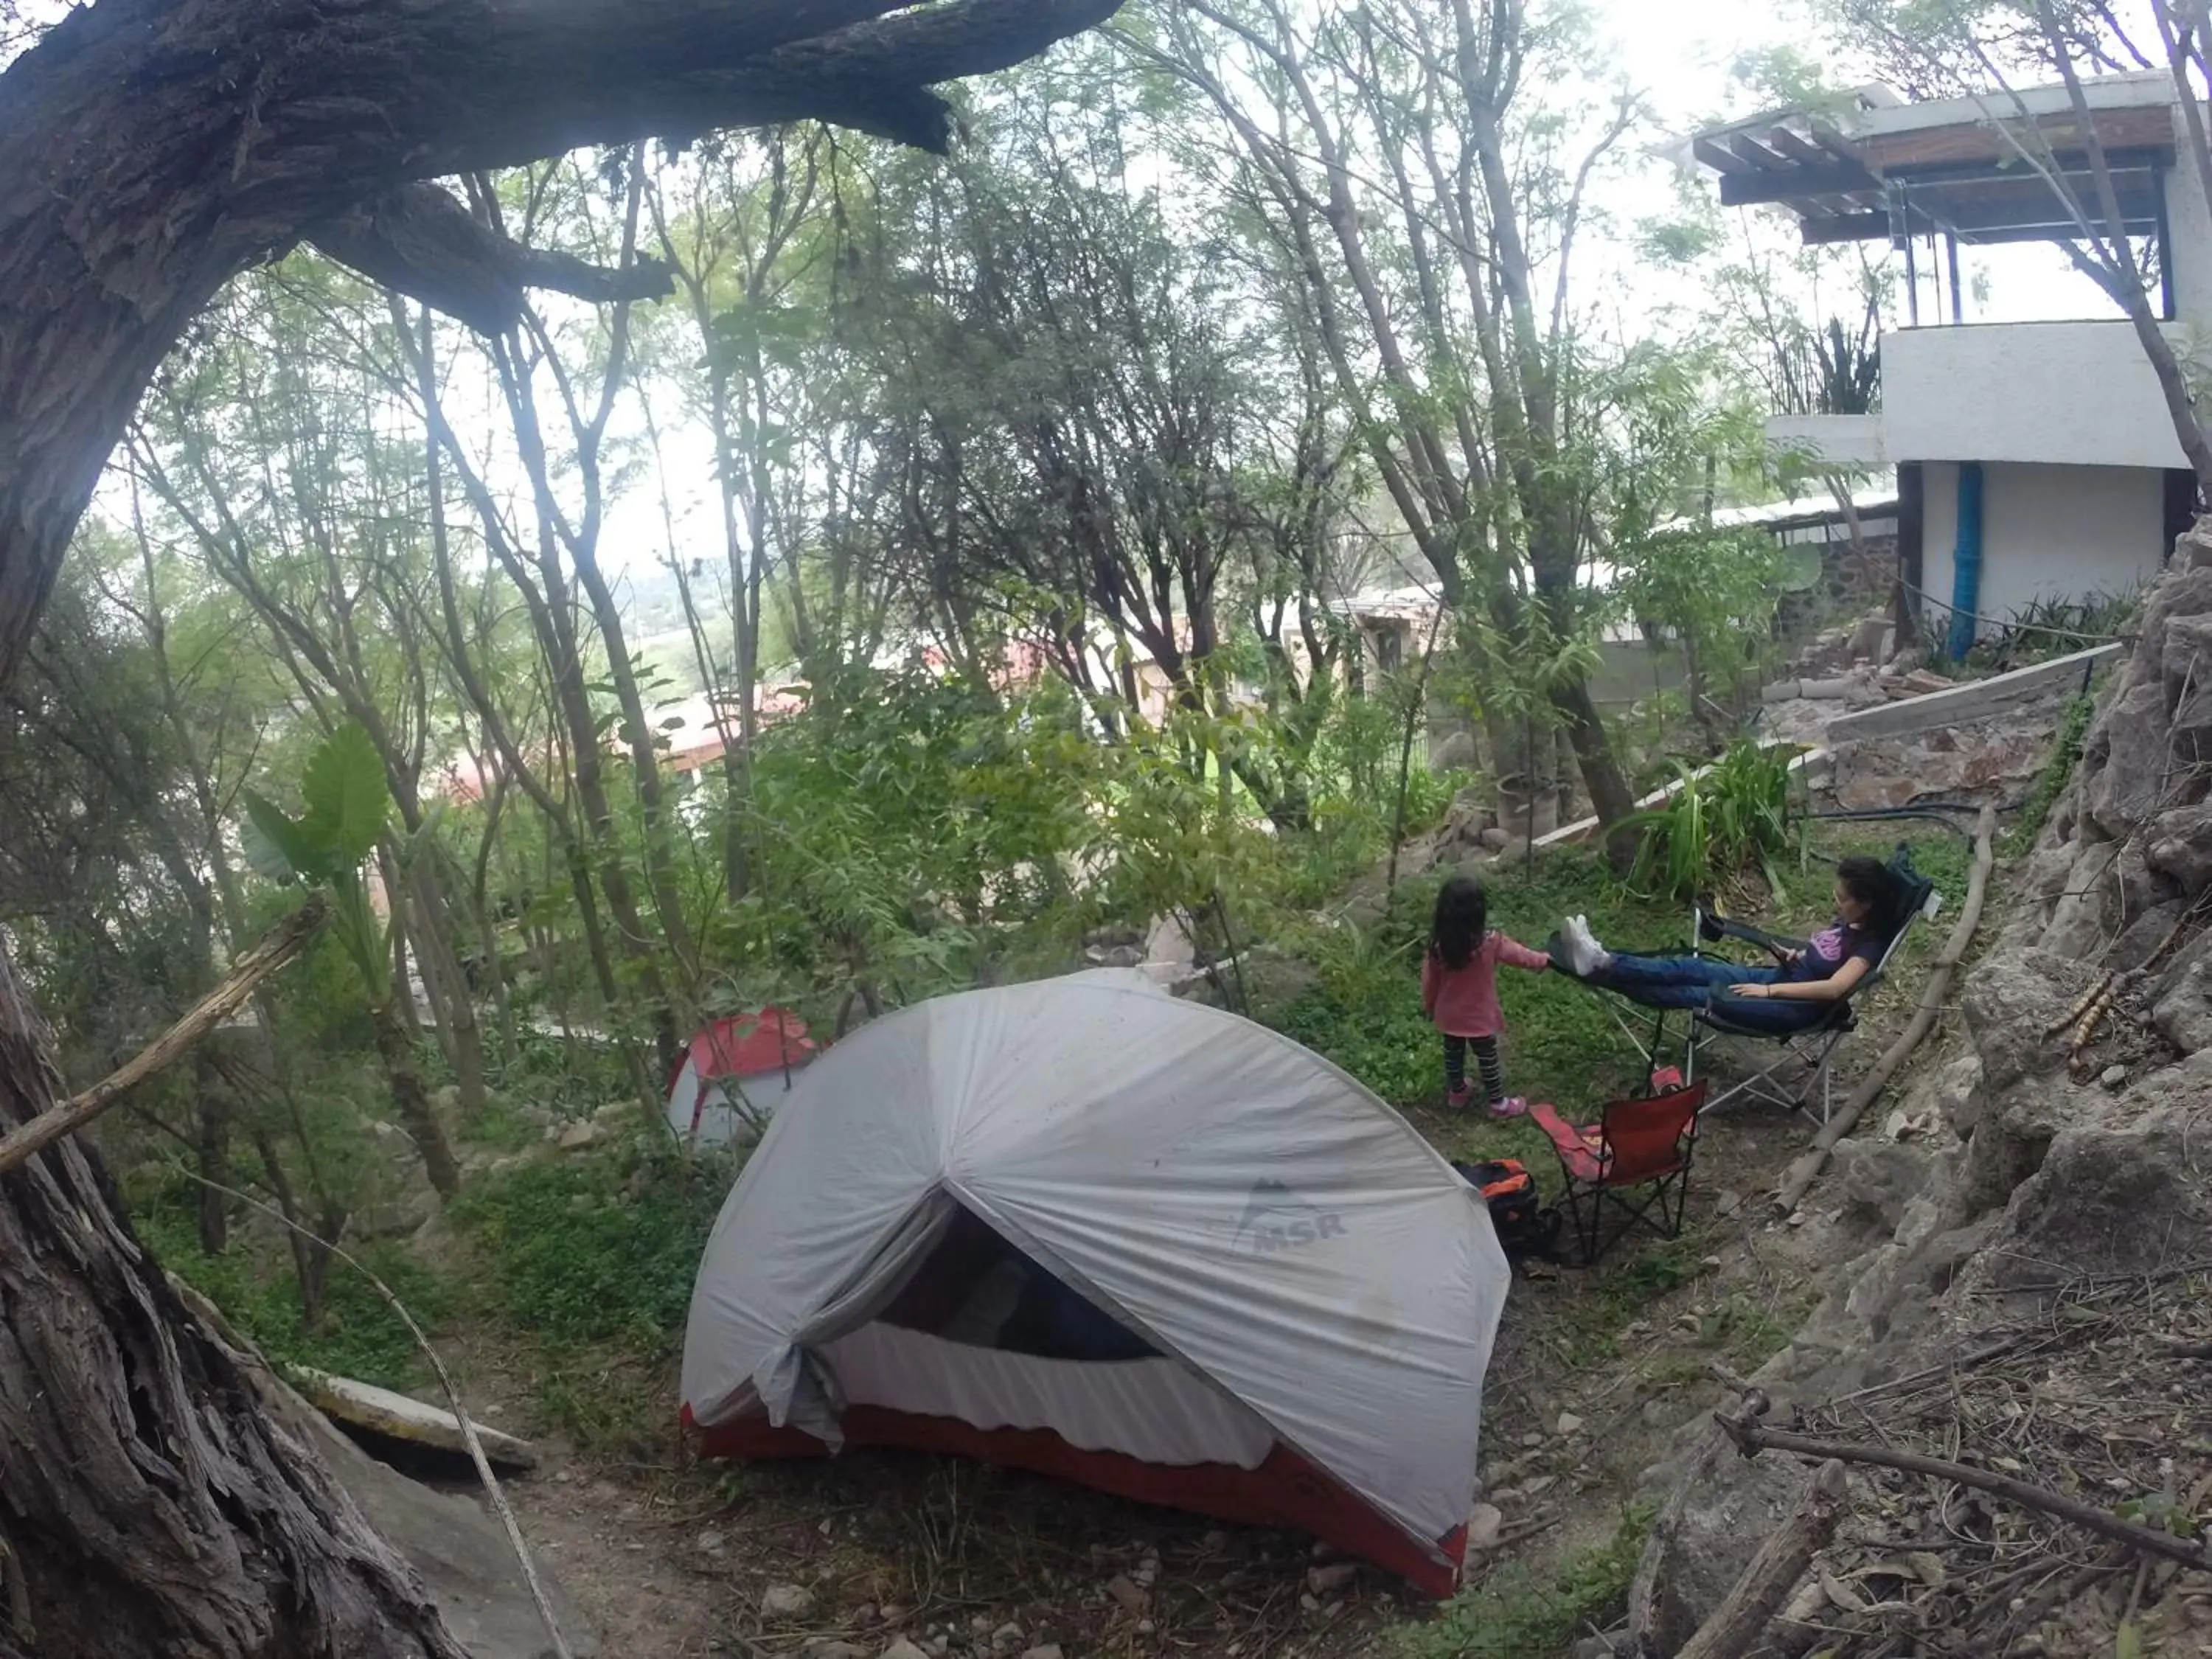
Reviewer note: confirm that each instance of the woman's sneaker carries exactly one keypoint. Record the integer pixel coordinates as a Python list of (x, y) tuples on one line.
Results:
[(1585, 956), (1511, 1106)]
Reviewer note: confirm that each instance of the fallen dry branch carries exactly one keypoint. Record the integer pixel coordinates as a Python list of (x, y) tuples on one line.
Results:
[(1652, 1564), (282, 944), (1782, 1560), (1932, 997), (493, 1491), (1752, 1436)]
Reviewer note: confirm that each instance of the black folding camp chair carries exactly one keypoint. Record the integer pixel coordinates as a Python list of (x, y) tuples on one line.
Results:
[(1796, 1071)]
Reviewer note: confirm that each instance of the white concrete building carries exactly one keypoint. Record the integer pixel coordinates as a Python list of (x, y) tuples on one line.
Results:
[(2033, 460)]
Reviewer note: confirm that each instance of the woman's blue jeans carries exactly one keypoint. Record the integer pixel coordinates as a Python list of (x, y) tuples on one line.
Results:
[(1698, 982)]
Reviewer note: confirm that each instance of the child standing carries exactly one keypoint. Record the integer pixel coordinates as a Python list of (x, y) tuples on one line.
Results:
[(1459, 990)]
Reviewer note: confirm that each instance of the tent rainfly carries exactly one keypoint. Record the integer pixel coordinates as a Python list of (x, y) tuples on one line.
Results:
[(708, 1102), (1087, 1229)]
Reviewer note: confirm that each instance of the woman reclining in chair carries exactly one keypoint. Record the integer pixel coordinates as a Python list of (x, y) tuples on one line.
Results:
[(1794, 994)]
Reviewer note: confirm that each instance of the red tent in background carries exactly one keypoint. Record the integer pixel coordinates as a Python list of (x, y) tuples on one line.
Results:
[(733, 1073)]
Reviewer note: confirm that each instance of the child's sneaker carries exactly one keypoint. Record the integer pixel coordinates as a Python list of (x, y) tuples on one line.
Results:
[(1511, 1106), (1457, 1098)]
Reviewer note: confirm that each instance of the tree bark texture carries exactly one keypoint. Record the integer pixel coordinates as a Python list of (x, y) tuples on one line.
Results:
[(149, 151), (148, 1506)]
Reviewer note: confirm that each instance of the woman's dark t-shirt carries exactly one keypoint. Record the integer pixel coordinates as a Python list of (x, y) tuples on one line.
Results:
[(1830, 949)]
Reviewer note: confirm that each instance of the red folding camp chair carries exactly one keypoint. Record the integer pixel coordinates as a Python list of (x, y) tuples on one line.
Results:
[(1634, 1162)]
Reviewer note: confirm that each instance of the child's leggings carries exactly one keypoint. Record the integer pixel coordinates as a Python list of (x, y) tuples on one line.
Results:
[(1486, 1054)]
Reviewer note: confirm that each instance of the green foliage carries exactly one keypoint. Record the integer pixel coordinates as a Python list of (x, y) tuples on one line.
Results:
[(590, 1250), (901, 813), (348, 805), (360, 1335), (1366, 1014), (1514, 1615), (347, 798), (1733, 818)]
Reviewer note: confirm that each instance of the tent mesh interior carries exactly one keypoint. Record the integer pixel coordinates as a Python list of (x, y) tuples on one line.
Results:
[(976, 1289)]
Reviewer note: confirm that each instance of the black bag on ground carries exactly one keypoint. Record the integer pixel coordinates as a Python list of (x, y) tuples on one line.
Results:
[(1523, 1225)]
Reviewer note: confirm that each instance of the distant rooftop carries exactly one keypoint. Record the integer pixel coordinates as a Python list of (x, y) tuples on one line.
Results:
[(1876, 167), (1871, 501)]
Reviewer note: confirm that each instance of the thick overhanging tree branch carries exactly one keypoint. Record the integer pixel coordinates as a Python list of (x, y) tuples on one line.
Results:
[(151, 149), (421, 242)]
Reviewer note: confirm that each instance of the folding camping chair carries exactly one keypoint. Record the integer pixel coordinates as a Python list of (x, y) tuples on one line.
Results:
[(1634, 1162), (1810, 1048)]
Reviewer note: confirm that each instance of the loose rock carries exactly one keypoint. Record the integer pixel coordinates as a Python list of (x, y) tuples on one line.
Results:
[(1124, 1590), (582, 1134), (1327, 1581), (786, 1604), (1483, 1525)]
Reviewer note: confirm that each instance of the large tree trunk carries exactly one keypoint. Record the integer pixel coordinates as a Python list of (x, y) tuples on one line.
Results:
[(149, 150), (148, 1508)]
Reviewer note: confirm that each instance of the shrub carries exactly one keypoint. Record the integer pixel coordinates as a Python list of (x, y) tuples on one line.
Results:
[(598, 1249), (2058, 771), (1733, 817)]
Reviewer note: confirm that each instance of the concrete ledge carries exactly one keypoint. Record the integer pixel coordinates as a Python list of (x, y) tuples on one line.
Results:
[(1964, 705)]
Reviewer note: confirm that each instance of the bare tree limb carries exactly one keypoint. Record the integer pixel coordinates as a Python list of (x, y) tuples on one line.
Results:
[(284, 942), (1752, 1437), (1782, 1560), (423, 243)]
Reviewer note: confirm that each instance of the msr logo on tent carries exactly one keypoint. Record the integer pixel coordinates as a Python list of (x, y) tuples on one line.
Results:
[(1277, 1219)]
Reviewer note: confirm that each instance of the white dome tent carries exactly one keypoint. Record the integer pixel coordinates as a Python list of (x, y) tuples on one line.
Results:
[(1085, 1228)]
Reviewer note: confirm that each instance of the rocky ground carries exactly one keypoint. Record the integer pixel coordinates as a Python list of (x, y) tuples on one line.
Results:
[(2037, 1297)]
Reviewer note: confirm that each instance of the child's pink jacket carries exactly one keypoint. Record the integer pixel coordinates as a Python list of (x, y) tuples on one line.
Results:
[(1464, 1001)]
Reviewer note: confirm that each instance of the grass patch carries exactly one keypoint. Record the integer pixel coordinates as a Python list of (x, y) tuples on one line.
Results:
[(501, 1127), (2057, 772), (595, 1249), (594, 1258), (359, 1336), (1517, 1614), (1589, 1326)]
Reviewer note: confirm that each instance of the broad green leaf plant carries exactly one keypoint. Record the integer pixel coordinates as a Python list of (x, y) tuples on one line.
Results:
[(347, 808)]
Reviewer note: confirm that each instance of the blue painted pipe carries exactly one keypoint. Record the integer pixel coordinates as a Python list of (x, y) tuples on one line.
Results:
[(1966, 562)]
